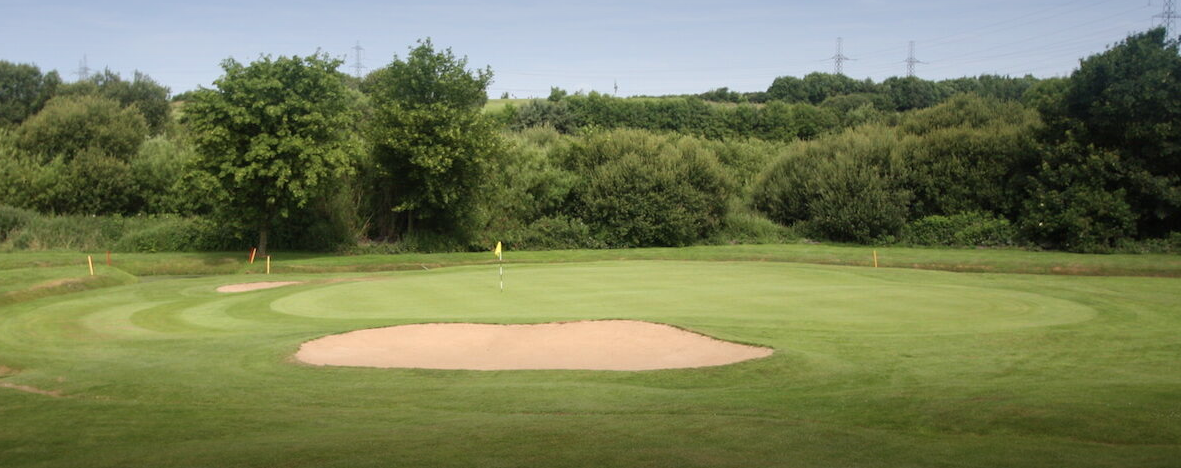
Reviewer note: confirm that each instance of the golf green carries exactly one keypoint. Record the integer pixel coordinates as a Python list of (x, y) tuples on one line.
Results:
[(872, 367)]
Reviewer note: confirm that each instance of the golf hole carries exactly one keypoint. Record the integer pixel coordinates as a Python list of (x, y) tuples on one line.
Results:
[(618, 345)]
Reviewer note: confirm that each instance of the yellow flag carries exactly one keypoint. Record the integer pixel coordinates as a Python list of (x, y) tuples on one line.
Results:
[(497, 251)]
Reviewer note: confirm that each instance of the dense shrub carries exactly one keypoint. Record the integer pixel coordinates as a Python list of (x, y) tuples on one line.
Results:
[(745, 226), (69, 126), (539, 113), (970, 111), (846, 187), (777, 121), (962, 229), (553, 233), (158, 170), (175, 234), (1078, 202), (642, 189), (963, 169), (12, 219)]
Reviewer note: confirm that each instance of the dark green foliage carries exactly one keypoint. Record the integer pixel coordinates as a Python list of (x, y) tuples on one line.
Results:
[(553, 233), (12, 218), (430, 141), (971, 111), (556, 94), (913, 93), (143, 94), (94, 183), (1125, 100), (971, 229), (846, 187), (815, 87), (163, 233), (70, 126), (538, 114), (24, 91), (1078, 201), (723, 95), (970, 154), (274, 135), (686, 115), (91, 183), (646, 190), (992, 86), (175, 234), (160, 171)]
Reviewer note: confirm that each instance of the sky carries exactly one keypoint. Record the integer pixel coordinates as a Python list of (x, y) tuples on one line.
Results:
[(644, 47)]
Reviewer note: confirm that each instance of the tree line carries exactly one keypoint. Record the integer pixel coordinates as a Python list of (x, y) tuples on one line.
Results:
[(290, 152)]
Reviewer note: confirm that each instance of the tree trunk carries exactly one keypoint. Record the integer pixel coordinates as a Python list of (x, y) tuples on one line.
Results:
[(262, 239)]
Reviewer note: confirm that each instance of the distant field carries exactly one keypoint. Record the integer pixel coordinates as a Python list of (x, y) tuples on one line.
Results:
[(872, 367), (496, 105)]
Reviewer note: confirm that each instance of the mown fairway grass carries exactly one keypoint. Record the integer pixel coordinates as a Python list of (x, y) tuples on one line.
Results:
[(873, 367)]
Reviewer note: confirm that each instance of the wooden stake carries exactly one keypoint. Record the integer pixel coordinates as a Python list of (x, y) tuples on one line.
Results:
[(108, 258), (268, 264), (875, 258), (90, 262)]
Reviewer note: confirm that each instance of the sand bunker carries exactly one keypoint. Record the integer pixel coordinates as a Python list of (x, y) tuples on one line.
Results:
[(243, 287), (623, 345)]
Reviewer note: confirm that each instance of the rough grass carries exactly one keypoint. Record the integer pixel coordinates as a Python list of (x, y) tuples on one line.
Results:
[(873, 367)]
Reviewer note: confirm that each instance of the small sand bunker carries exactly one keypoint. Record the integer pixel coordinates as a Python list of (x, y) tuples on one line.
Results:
[(243, 287), (622, 345)]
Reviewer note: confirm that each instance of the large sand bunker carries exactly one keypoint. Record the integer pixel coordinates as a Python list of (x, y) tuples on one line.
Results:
[(243, 287), (623, 345)]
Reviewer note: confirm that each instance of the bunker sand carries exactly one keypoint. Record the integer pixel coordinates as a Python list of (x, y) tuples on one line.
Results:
[(243, 287), (620, 345)]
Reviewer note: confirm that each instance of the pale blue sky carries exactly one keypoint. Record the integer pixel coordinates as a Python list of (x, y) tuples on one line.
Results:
[(648, 47)]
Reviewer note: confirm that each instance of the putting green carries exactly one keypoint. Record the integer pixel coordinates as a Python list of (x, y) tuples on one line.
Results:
[(872, 367), (802, 298)]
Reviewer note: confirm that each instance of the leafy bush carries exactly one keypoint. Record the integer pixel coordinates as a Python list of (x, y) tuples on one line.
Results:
[(70, 125), (846, 187), (554, 233), (174, 234), (968, 110), (963, 229), (744, 226), (12, 219), (1078, 201), (642, 189), (158, 169), (964, 169)]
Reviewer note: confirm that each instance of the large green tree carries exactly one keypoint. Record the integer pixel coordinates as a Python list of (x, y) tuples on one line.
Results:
[(430, 140), (24, 91), (1112, 148), (274, 134)]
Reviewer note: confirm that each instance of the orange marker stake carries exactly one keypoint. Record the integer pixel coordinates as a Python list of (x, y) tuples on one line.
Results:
[(253, 250)]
